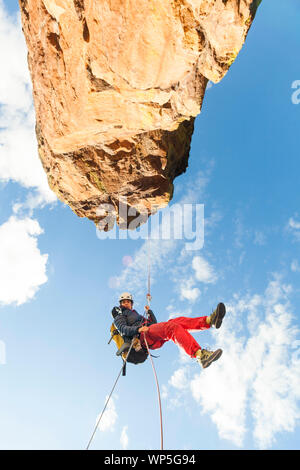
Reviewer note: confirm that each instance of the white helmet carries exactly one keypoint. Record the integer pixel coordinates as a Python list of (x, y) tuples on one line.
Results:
[(126, 296)]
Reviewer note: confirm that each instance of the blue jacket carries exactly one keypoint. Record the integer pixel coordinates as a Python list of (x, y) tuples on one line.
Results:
[(129, 321)]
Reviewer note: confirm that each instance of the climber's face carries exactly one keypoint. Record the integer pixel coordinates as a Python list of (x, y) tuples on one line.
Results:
[(126, 303)]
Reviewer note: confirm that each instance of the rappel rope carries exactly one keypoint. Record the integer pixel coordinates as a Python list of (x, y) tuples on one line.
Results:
[(105, 406), (152, 363), (149, 275)]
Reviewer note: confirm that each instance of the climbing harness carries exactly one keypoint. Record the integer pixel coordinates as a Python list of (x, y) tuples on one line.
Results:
[(137, 355)]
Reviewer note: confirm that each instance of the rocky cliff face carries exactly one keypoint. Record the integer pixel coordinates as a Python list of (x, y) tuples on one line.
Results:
[(117, 85)]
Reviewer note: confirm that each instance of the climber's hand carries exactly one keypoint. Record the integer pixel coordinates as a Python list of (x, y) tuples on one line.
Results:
[(143, 329)]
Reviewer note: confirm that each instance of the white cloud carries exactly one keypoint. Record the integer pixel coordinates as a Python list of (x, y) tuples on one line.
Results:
[(293, 226), (179, 379), (204, 272), (124, 440), (295, 266), (109, 417), (187, 291), (164, 392), (19, 161), (259, 238), (23, 267), (257, 374)]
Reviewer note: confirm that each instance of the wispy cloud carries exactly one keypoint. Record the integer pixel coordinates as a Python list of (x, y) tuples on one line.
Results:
[(259, 238), (295, 267), (179, 379), (293, 227), (241, 233), (204, 272), (109, 417), (187, 290), (23, 267), (294, 224), (124, 440), (189, 278)]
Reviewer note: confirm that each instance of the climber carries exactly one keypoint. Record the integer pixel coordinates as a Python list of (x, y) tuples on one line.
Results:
[(128, 320), (132, 325)]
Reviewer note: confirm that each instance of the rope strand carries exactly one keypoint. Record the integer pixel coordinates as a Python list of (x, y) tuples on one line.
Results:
[(158, 394), (100, 417), (149, 274), (154, 371)]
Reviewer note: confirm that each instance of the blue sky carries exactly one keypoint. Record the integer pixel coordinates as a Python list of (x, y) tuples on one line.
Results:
[(59, 281)]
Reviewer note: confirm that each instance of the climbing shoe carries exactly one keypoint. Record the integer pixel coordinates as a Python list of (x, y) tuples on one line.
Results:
[(205, 357), (217, 316), (125, 346)]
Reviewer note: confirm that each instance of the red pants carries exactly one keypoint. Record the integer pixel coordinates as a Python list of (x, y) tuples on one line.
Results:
[(176, 329)]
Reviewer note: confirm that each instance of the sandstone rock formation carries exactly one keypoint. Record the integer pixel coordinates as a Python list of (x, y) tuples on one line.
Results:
[(117, 85)]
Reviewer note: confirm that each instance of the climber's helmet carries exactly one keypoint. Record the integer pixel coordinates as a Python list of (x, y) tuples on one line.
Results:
[(126, 296)]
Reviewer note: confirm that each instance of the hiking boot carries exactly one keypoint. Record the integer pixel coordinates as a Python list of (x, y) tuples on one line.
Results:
[(125, 346), (217, 316), (205, 357)]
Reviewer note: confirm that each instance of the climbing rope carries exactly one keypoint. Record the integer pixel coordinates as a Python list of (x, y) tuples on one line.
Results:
[(158, 394), (149, 273), (105, 406), (149, 298)]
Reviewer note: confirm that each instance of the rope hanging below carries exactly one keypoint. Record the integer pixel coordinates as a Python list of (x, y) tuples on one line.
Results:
[(100, 417), (158, 394)]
